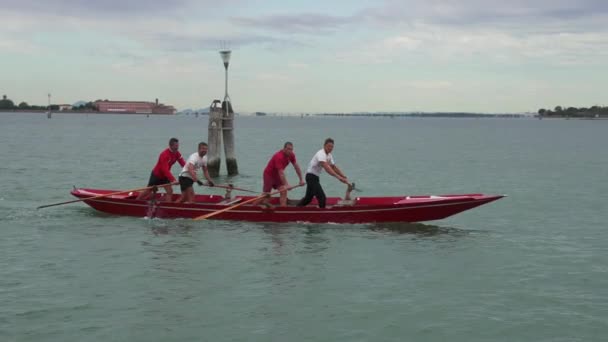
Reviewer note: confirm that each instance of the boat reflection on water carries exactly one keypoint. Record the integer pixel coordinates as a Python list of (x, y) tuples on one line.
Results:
[(162, 227), (418, 229), (312, 229)]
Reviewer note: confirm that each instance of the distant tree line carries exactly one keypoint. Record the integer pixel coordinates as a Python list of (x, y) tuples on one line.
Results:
[(86, 107), (582, 112), (8, 104)]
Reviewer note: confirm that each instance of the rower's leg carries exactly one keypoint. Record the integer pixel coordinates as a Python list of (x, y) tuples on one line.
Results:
[(187, 195), (190, 193), (193, 196), (320, 194), (184, 197), (307, 197), (309, 191), (283, 199), (144, 195), (169, 193)]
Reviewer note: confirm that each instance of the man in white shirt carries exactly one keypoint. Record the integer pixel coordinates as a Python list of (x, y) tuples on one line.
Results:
[(187, 176), (322, 160)]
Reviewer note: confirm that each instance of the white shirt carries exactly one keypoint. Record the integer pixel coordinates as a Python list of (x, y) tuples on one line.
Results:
[(315, 167), (196, 161)]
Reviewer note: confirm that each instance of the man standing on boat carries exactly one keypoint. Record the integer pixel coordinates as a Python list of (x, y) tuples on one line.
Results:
[(187, 177), (161, 174), (274, 173), (322, 160)]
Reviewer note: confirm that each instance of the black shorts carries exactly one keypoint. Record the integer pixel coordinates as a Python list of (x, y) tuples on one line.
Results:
[(157, 181), (185, 183)]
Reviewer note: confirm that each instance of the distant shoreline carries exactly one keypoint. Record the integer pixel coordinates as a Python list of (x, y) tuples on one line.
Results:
[(350, 115), (429, 115), (571, 118), (30, 111)]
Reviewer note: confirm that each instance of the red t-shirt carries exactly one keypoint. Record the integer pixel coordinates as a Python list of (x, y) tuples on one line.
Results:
[(166, 159), (279, 161)]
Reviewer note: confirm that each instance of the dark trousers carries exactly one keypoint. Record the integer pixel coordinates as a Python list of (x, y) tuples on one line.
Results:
[(313, 189)]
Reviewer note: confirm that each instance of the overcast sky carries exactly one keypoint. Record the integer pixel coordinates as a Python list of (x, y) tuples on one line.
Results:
[(309, 56)]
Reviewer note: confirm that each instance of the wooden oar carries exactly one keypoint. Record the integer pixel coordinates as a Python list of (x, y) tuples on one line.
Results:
[(231, 187), (350, 188), (206, 216), (102, 196)]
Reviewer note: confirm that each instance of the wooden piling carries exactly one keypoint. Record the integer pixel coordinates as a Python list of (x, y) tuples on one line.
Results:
[(228, 136), (214, 138)]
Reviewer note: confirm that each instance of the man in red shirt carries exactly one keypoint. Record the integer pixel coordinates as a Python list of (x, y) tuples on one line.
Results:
[(161, 174), (274, 173)]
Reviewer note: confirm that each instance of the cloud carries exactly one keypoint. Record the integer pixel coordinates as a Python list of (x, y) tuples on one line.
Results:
[(437, 45), (271, 77), (298, 65), (484, 12), (169, 66), (175, 41), (555, 32), (153, 31), (402, 42), (115, 8), (308, 23), (516, 15), (413, 85), (17, 46)]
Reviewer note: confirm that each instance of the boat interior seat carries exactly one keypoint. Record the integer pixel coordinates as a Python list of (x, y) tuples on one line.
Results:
[(230, 201), (346, 203), (292, 202)]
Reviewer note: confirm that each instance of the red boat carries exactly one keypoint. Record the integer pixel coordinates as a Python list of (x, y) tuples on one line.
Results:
[(358, 210)]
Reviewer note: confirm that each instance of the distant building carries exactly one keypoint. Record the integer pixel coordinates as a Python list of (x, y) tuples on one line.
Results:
[(133, 107), (65, 107)]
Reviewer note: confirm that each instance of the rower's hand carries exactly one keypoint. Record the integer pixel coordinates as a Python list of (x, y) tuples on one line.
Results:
[(344, 180), (210, 183), (199, 182), (301, 183)]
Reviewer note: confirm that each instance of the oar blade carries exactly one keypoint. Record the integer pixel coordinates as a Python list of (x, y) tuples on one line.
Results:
[(100, 196), (206, 216)]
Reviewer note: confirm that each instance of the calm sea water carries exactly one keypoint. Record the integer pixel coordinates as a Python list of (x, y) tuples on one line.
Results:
[(530, 267)]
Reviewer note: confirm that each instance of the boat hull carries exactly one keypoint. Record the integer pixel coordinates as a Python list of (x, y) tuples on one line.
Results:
[(365, 209)]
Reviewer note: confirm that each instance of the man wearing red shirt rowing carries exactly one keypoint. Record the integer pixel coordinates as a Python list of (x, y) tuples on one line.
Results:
[(274, 173), (161, 174)]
